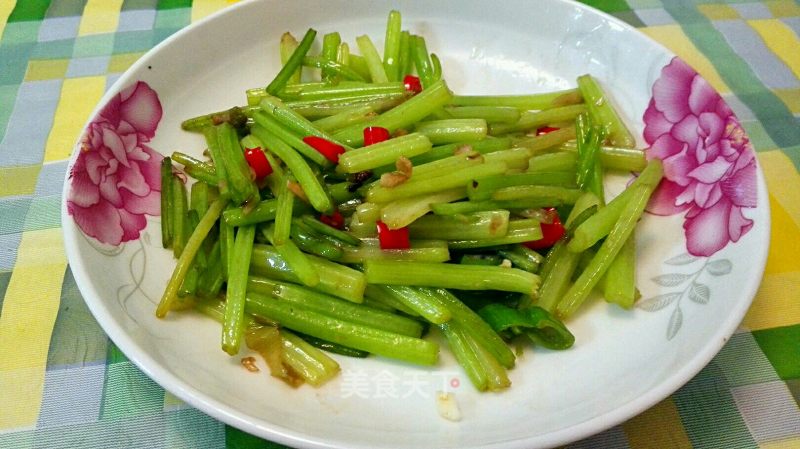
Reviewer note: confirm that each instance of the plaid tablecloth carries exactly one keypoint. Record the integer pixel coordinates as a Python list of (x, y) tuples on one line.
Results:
[(64, 384)]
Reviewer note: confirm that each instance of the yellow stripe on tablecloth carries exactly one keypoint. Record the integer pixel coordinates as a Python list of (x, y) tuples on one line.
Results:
[(204, 8), (784, 244), (775, 303), (100, 16), (29, 312), (783, 8), (791, 443), (79, 96), (791, 98), (6, 6), (718, 12), (656, 428), (783, 181), (673, 37), (19, 180), (781, 40)]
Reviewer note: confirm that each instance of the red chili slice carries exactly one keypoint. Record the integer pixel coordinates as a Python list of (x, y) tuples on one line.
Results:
[(330, 150), (551, 232), (392, 238), (335, 219), (258, 162), (545, 130), (375, 134), (412, 84)]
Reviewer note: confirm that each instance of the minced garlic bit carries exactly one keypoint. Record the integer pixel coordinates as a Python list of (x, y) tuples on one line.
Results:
[(297, 190), (463, 149), (250, 364), (505, 263), (447, 406), (393, 179), (404, 165)]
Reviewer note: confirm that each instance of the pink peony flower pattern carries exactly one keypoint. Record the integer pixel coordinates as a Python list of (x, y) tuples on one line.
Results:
[(116, 178), (709, 164)]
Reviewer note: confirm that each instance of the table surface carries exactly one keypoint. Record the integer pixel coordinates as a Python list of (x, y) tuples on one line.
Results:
[(63, 383)]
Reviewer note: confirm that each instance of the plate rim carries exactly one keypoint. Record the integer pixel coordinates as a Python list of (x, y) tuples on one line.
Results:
[(280, 434)]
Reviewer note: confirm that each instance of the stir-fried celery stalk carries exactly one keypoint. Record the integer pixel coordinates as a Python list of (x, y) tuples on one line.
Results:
[(212, 143), (557, 279), (359, 336), (166, 203), (480, 331), (616, 239), (522, 257), (374, 64), (335, 307), (559, 195), (616, 158), (334, 279), (294, 63), (269, 124), (288, 46), (478, 225), (330, 47), (332, 66), (619, 282), (422, 61), (405, 62), (531, 120), (391, 46), (233, 326), (341, 90), (312, 242), (541, 101), (491, 114), (453, 130), (330, 231), (589, 173), (236, 116), (293, 121), (241, 185), (465, 277), (312, 186), (179, 208), (383, 153), (524, 230), (487, 145), (185, 260), (239, 216), (600, 224), (602, 112), (358, 64), (554, 162), (199, 170), (404, 115), (401, 213), (310, 363), (351, 116), (420, 251), (458, 341), (538, 144), (283, 214), (484, 188), (421, 186), (421, 300), (296, 260)]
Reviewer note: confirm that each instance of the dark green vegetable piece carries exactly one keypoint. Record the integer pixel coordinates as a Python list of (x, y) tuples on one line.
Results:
[(295, 62), (538, 324), (335, 348)]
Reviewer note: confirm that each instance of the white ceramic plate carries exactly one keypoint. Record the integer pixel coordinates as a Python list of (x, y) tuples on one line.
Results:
[(623, 361)]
